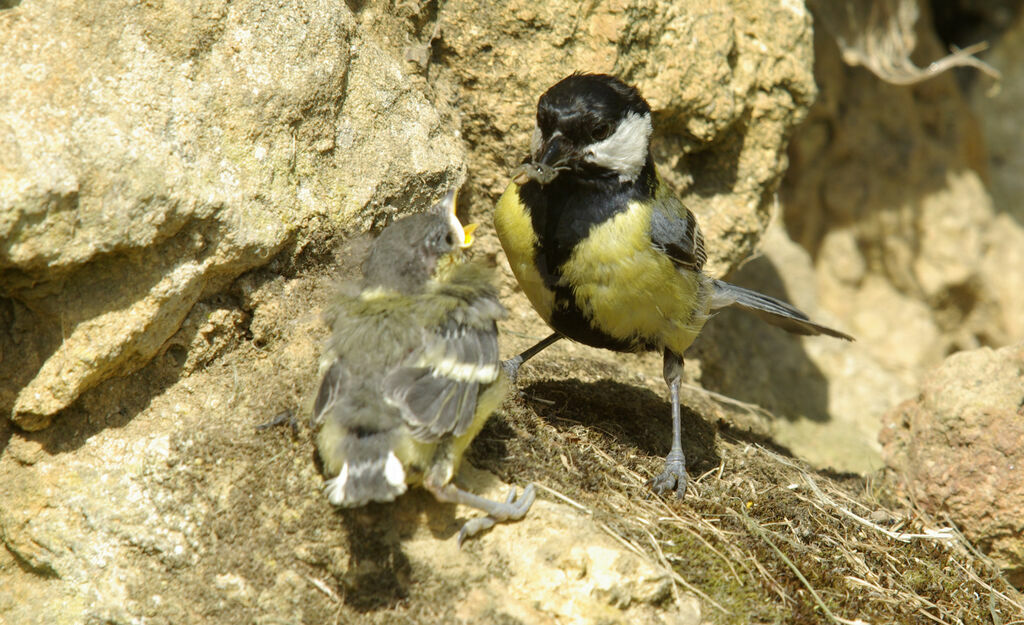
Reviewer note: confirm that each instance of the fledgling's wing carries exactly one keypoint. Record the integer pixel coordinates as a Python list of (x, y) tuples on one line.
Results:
[(675, 232), (436, 390), (332, 389)]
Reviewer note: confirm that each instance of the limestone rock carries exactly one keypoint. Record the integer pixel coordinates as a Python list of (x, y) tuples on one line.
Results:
[(887, 192), (826, 397), (557, 566), (151, 153), (240, 528), (960, 447), (173, 508)]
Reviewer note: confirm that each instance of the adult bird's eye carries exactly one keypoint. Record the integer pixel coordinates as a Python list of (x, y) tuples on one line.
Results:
[(602, 131)]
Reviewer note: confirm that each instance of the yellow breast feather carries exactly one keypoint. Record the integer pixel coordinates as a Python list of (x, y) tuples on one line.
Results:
[(512, 222), (628, 288)]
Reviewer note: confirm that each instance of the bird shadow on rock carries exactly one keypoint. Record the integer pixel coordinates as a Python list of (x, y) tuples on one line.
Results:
[(747, 359), (630, 415), (379, 573)]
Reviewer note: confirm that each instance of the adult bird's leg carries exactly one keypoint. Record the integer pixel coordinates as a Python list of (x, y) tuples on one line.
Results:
[(673, 477), (511, 366)]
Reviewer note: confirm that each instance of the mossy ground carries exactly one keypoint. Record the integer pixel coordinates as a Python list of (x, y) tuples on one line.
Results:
[(760, 537)]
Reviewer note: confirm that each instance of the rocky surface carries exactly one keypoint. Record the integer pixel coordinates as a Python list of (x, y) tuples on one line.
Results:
[(960, 447), (152, 153), (887, 192), (178, 187), (175, 508), (887, 195)]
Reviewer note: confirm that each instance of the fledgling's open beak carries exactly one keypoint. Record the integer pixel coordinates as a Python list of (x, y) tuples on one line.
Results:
[(468, 238), (463, 234)]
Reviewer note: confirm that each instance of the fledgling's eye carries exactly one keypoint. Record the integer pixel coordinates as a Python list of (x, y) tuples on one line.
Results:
[(449, 239), (602, 131)]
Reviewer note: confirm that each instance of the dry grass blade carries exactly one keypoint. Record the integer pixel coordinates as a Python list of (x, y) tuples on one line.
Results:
[(322, 587), (942, 534), (565, 498), (759, 531), (728, 401), (685, 527)]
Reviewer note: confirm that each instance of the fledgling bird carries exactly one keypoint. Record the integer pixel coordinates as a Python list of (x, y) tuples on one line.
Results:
[(411, 370), (604, 250)]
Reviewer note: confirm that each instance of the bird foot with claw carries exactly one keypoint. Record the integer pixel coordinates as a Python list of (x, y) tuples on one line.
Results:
[(511, 510), (511, 368), (673, 477)]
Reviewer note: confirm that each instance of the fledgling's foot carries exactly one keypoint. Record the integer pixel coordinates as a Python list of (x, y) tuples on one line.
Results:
[(672, 477), (511, 368), (511, 510)]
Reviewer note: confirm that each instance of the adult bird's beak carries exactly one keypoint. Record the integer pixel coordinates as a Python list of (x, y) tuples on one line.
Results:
[(547, 160), (552, 151), (546, 164)]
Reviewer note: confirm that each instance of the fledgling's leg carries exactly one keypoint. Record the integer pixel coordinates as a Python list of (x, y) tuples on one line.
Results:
[(511, 366), (511, 509), (673, 477)]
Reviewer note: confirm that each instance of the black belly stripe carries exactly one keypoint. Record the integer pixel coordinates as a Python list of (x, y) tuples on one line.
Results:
[(562, 214), (569, 320)]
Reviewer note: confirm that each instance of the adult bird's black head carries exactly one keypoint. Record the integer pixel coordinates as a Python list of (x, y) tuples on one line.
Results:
[(592, 127)]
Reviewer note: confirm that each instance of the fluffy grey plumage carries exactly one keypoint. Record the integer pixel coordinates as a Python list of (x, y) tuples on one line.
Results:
[(411, 370)]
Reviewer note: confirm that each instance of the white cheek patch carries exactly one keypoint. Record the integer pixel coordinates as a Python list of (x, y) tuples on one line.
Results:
[(625, 151)]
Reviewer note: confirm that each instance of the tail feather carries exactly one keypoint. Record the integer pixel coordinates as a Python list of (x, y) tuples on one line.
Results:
[(769, 309), (370, 472)]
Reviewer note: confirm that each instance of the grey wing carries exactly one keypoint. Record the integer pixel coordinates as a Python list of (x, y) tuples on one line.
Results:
[(675, 232), (436, 390)]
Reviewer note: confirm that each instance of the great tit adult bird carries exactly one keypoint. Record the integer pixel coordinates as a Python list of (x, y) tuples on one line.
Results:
[(411, 370), (606, 253)]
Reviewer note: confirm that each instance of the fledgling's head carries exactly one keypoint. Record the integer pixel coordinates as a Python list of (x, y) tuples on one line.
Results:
[(415, 249), (594, 125)]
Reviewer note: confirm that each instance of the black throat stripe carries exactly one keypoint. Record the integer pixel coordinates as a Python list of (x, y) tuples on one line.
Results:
[(564, 211), (562, 214)]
